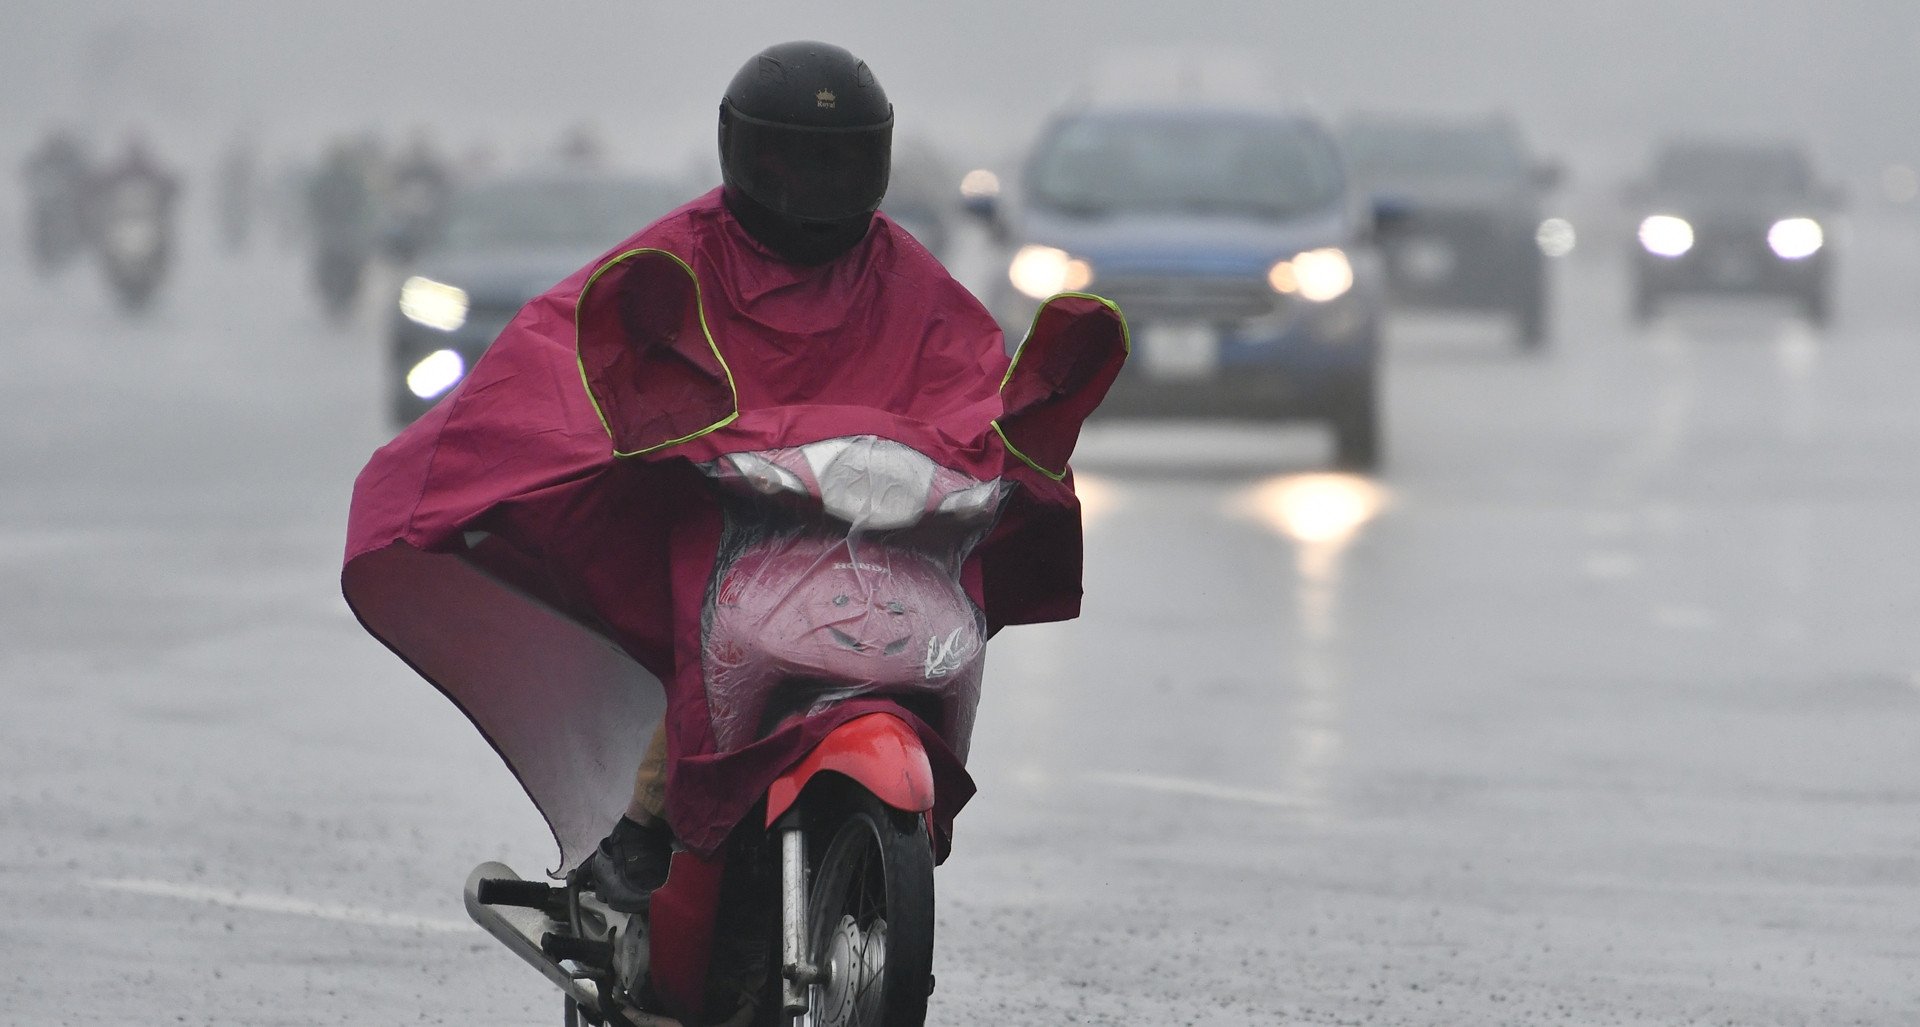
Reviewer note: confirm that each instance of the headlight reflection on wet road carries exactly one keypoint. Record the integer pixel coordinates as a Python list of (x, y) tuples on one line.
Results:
[(1322, 513)]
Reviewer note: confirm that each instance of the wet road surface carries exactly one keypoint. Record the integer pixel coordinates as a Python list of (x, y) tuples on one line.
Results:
[(1601, 705)]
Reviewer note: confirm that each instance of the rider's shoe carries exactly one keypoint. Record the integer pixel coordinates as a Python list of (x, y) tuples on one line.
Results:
[(630, 863)]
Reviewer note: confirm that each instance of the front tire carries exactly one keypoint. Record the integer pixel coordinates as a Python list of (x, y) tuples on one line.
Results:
[(1355, 421), (870, 914)]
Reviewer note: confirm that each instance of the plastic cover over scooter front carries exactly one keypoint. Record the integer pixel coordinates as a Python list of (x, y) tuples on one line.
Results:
[(841, 575)]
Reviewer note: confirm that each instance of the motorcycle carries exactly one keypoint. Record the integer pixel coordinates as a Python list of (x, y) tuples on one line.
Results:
[(135, 238), (842, 578)]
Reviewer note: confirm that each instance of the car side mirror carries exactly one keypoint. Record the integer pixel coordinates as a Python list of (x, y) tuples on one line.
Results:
[(980, 198), (983, 208)]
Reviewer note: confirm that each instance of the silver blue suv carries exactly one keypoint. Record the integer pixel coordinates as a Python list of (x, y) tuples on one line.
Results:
[(1234, 243)]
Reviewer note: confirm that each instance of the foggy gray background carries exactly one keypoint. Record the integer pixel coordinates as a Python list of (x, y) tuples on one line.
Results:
[(1591, 81), (1611, 715)]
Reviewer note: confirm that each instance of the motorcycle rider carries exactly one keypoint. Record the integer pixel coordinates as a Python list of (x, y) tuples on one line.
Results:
[(805, 140), (341, 210), (57, 181), (129, 217), (418, 189)]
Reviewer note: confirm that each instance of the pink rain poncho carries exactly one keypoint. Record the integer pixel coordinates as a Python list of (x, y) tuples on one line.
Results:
[(540, 545)]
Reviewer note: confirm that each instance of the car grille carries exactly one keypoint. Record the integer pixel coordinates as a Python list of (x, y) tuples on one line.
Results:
[(1212, 300), (1471, 232)]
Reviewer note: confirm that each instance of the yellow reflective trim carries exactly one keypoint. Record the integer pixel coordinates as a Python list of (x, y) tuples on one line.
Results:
[(1024, 458), (699, 307), (1126, 341)]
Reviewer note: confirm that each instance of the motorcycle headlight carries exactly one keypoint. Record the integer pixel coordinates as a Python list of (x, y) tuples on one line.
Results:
[(434, 304), (1043, 271), (1665, 235), (1320, 275), (436, 373), (1796, 238), (871, 483)]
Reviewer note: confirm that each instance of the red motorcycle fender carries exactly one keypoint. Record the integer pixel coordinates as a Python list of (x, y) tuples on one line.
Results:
[(878, 750)]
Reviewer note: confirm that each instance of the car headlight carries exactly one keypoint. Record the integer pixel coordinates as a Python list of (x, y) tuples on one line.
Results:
[(434, 304), (1043, 271), (436, 373), (1319, 275), (1796, 238), (1555, 237), (1664, 235)]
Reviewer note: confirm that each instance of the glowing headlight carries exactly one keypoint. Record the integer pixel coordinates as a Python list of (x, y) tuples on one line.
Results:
[(434, 304), (1042, 271), (436, 373), (1796, 238), (1318, 275), (1664, 235), (1555, 237), (980, 183)]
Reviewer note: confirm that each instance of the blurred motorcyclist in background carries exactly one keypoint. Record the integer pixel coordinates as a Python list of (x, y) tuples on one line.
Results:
[(57, 182), (342, 211), (129, 216), (419, 188), (805, 139), (582, 149)]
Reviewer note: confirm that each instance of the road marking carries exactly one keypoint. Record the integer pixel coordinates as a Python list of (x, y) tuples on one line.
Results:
[(1200, 789), (262, 903)]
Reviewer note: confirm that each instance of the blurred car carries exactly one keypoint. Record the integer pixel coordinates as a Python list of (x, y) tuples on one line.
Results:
[(1732, 217), (1234, 243), (1467, 230), (506, 242), (922, 196)]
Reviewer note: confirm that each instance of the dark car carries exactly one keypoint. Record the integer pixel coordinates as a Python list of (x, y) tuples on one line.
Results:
[(1732, 217), (923, 195), (1236, 247), (506, 242), (1466, 196)]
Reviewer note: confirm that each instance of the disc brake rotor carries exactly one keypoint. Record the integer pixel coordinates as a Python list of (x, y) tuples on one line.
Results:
[(856, 959)]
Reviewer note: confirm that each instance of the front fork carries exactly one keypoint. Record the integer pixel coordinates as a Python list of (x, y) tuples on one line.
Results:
[(797, 969)]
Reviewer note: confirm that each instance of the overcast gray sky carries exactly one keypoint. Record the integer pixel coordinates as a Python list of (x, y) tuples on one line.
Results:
[(1593, 80)]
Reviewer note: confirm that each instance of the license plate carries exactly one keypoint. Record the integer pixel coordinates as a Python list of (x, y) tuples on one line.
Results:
[(1427, 261), (1731, 267), (1181, 350)]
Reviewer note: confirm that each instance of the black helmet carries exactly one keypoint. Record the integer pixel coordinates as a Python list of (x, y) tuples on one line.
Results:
[(806, 142)]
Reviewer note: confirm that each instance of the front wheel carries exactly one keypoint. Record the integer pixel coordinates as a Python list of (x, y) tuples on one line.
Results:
[(870, 915), (1355, 420)]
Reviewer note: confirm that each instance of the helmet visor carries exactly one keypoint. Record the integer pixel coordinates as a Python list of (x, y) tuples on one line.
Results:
[(815, 174)]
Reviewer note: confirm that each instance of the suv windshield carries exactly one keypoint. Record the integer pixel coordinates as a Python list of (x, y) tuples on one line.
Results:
[(1380, 151), (1742, 169), (553, 213), (1177, 163)]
